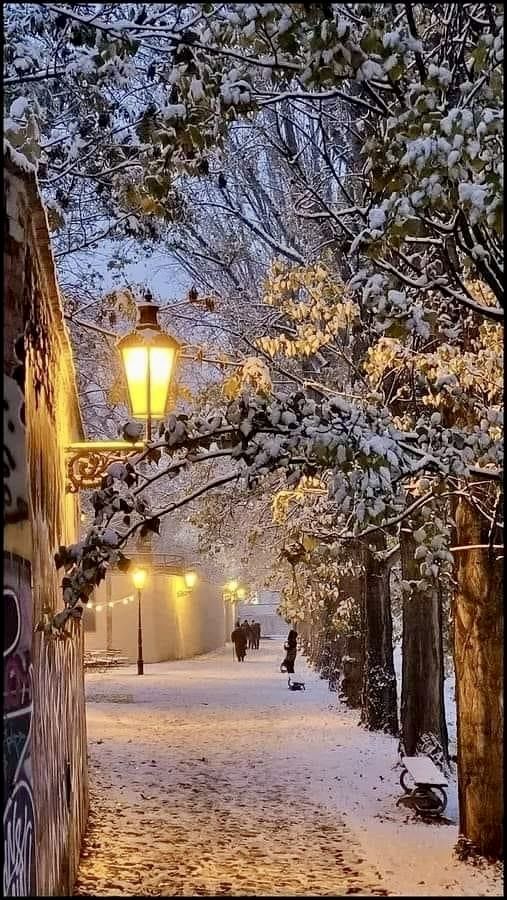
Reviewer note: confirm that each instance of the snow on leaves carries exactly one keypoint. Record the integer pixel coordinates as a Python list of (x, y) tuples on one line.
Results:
[(368, 459), (428, 102)]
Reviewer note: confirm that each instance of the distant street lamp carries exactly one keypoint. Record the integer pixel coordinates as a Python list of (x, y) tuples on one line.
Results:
[(149, 356), (190, 579), (139, 579), (232, 591)]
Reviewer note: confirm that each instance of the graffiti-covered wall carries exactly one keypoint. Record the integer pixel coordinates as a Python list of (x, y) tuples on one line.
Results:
[(45, 760), (19, 818)]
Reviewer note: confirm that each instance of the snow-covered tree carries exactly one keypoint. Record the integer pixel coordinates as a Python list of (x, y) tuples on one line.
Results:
[(422, 231)]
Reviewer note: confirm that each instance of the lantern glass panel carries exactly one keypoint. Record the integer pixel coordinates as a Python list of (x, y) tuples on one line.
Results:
[(135, 361), (161, 366), (160, 361)]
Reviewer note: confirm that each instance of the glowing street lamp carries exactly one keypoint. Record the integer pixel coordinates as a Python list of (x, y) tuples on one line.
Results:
[(190, 579), (149, 360), (139, 579), (232, 592)]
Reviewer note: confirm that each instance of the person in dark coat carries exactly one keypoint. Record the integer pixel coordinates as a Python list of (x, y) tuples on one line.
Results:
[(291, 649), (248, 634), (252, 636), (239, 639), (257, 633)]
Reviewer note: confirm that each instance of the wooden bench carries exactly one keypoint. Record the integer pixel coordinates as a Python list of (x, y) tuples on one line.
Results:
[(428, 796)]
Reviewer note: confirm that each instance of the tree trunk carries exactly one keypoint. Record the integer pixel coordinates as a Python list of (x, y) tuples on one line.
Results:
[(379, 711), (478, 642), (352, 657), (422, 688), (352, 665)]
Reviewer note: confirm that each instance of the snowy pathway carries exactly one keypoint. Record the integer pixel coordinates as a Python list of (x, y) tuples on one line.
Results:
[(209, 777)]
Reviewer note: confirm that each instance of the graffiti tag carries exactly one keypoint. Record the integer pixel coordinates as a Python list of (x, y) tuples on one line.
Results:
[(19, 843)]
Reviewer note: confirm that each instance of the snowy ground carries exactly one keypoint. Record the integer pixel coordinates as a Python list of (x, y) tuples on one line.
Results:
[(209, 777)]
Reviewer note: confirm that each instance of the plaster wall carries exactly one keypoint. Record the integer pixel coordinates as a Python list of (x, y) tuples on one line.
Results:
[(45, 757), (177, 623)]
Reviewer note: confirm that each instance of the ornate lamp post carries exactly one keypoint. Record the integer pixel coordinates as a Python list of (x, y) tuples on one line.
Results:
[(149, 356), (139, 579)]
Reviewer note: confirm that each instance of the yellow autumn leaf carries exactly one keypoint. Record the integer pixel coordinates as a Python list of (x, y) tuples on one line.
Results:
[(231, 387)]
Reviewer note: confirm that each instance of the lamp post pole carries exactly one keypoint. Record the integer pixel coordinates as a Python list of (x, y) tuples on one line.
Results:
[(140, 661), (148, 417)]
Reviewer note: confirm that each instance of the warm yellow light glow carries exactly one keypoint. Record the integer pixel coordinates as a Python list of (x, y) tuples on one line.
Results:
[(161, 369), (98, 607), (180, 590), (139, 578), (158, 363), (241, 593), (135, 362), (190, 579), (110, 604), (125, 601), (232, 585)]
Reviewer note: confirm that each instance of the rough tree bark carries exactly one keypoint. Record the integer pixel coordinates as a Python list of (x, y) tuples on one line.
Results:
[(352, 660), (379, 709), (422, 688), (478, 646), (352, 666)]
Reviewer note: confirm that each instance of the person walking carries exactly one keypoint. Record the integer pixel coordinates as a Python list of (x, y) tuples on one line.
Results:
[(252, 636), (239, 639), (257, 633), (246, 628), (291, 649)]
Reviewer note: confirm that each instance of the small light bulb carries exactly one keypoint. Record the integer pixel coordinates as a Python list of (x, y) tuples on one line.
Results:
[(110, 604), (125, 602), (98, 608)]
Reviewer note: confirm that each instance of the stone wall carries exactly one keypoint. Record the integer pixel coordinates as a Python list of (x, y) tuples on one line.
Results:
[(45, 757)]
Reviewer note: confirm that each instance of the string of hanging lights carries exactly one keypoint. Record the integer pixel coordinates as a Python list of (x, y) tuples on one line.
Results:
[(98, 607)]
